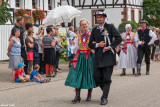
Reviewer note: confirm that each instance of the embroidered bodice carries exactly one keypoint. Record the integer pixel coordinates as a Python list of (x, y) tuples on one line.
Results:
[(83, 41), (128, 37)]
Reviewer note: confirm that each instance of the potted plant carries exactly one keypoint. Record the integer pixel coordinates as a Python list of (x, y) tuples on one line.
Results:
[(38, 15), (22, 12)]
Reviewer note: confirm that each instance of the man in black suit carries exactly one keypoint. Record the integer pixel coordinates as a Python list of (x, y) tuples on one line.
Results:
[(102, 41)]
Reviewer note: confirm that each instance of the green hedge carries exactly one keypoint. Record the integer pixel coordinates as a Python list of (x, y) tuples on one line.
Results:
[(64, 43), (121, 27)]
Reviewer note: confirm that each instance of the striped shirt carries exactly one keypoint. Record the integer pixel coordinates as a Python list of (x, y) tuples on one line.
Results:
[(47, 40)]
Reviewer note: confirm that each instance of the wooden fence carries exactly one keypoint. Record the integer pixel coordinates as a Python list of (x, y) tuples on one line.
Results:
[(5, 31)]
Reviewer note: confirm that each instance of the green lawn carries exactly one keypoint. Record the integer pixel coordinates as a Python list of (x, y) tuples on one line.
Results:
[(63, 61)]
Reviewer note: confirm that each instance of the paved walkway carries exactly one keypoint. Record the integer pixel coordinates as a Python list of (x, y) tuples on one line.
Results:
[(128, 91)]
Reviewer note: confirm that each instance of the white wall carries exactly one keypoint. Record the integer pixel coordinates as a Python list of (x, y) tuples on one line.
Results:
[(12, 3), (114, 15), (87, 15), (9, 22), (5, 31), (28, 4), (129, 14), (136, 14)]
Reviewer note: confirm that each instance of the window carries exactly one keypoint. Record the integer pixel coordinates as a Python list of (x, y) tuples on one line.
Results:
[(58, 4), (132, 15), (17, 3), (49, 5), (34, 4), (140, 14)]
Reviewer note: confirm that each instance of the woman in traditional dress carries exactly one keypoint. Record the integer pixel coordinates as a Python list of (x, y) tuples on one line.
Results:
[(128, 55), (81, 73)]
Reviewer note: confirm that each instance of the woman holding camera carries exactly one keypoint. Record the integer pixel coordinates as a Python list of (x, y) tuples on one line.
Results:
[(59, 49)]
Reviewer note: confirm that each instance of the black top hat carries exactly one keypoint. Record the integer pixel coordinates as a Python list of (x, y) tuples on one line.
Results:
[(100, 13), (143, 21)]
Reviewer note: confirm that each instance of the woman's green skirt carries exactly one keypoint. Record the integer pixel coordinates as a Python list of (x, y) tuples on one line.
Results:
[(82, 76)]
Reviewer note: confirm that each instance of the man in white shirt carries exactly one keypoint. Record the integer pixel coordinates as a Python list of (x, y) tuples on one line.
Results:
[(144, 38)]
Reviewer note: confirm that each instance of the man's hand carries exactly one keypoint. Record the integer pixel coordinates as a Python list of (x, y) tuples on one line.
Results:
[(101, 44), (94, 42), (107, 48), (142, 43)]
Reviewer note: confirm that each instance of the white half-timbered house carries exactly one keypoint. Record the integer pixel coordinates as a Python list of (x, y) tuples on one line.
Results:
[(117, 11)]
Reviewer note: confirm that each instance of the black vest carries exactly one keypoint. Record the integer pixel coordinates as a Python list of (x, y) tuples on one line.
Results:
[(144, 36)]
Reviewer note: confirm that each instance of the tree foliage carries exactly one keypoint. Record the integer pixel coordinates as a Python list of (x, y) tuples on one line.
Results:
[(151, 12), (5, 15)]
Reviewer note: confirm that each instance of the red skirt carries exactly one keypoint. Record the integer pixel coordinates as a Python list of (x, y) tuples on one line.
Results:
[(30, 56)]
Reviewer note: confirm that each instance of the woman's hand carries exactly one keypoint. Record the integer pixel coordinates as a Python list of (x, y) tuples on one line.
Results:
[(8, 54), (62, 46)]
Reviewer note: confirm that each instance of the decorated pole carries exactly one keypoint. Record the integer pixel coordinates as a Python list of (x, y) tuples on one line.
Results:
[(74, 18)]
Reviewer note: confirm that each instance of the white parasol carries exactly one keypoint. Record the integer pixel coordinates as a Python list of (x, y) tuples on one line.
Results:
[(61, 14)]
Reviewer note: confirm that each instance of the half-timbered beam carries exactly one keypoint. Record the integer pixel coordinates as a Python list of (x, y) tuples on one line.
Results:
[(116, 1), (125, 3), (104, 4), (83, 4), (113, 3), (80, 2), (95, 2)]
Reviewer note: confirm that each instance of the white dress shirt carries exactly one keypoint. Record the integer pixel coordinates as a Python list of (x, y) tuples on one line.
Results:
[(151, 34)]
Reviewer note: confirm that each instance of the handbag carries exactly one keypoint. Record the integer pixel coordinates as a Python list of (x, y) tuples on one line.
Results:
[(60, 50)]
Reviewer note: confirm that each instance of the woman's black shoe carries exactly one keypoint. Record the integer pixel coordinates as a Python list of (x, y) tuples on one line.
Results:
[(89, 95), (52, 76), (123, 74), (76, 100), (133, 71), (88, 98), (77, 97), (47, 76)]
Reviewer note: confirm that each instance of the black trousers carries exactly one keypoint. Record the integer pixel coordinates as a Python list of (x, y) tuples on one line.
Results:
[(102, 76), (143, 50), (41, 63), (24, 56), (153, 51), (57, 59)]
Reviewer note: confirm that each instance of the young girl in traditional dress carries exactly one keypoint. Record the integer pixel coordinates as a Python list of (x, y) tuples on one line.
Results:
[(81, 73)]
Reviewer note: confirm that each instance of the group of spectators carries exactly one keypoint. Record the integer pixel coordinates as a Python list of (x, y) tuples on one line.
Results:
[(155, 47), (34, 49)]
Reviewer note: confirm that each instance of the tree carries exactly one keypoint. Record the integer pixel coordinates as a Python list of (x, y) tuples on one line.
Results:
[(151, 12), (5, 15)]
